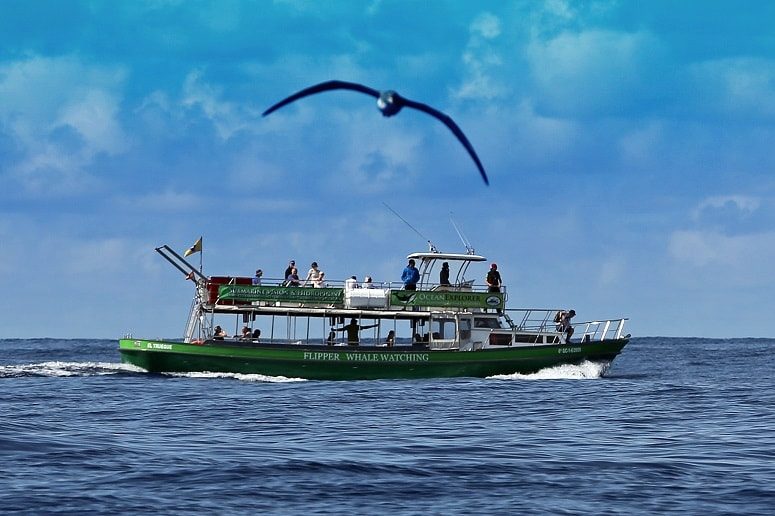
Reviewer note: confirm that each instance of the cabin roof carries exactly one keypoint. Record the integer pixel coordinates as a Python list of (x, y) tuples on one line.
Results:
[(447, 256)]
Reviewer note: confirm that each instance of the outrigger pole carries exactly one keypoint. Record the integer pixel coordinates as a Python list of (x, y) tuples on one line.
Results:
[(466, 242), (189, 269), (433, 248)]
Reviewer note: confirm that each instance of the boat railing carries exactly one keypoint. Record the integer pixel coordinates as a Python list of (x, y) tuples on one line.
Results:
[(601, 330), (543, 320), (228, 290)]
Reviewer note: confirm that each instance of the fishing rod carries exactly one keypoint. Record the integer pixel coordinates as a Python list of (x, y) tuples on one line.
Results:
[(466, 242), (430, 244)]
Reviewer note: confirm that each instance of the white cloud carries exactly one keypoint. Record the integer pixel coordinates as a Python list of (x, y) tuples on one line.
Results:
[(641, 144), (164, 202), (376, 158), (581, 71), (740, 86), (710, 257), (482, 61), (486, 25), (743, 204), (95, 118), (227, 117), (61, 113)]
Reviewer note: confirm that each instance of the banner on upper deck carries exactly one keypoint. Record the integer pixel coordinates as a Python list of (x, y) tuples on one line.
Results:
[(446, 299), (325, 296)]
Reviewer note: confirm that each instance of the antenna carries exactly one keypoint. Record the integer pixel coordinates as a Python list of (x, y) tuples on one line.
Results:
[(466, 243), (430, 244)]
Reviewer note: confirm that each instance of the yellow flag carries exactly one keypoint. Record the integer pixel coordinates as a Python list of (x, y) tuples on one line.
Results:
[(196, 248)]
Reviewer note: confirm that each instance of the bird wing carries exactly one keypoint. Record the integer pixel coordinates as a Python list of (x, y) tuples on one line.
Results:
[(452, 127), (323, 86)]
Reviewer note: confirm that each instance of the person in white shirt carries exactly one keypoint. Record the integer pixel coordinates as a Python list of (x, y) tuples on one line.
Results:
[(313, 275)]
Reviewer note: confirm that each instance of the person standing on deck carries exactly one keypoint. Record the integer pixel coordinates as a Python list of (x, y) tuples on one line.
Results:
[(444, 275), (352, 330), (257, 278), (314, 275), (494, 279), (410, 276)]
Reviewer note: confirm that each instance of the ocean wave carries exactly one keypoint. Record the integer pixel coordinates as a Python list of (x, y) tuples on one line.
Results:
[(65, 369), (584, 371), (238, 376)]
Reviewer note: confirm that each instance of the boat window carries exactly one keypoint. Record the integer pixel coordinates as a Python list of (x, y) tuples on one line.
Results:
[(489, 322), (443, 328), (465, 329)]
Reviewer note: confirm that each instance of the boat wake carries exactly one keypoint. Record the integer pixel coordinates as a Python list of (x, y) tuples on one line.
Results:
[(65, 369), (584, 371), (238, 376)]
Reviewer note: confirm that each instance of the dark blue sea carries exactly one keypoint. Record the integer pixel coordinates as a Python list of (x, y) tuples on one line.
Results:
[(674, 426)]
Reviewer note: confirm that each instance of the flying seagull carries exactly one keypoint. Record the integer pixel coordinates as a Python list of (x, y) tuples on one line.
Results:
[(389, 103)]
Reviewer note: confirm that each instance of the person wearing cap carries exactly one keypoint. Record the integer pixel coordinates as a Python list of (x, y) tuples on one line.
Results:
[(257, 278), (288, 271), (494, 279)]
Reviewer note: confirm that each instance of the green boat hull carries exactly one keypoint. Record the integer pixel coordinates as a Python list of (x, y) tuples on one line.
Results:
[(357, 363)]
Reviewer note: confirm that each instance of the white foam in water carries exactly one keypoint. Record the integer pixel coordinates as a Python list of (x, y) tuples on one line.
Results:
[(584, 371), (239, 376), (68, 369)]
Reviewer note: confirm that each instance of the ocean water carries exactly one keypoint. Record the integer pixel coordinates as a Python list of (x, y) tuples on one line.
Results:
[(674, 426)]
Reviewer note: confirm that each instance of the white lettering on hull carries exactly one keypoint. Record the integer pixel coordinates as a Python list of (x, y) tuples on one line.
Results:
[(366, 357)]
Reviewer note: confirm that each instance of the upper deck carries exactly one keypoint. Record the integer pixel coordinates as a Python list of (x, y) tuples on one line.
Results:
[(220, 292)]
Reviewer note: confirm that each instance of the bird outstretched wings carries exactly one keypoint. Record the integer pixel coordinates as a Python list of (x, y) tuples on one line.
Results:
[(389, 103), (319, 88)]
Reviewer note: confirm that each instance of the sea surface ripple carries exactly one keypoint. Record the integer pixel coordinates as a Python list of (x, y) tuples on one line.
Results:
[(675, 425)]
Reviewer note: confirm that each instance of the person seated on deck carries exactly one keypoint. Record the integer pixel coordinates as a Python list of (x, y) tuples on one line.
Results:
[(256, 335), (246, 333), (367, 283), (351, 283), (391, 339), (292, 280), (352, 330), (219, 333), (331, 340), (565, 325), (289, 269)]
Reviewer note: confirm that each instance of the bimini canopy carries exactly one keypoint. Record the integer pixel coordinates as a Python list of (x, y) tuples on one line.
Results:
[(447, 257)]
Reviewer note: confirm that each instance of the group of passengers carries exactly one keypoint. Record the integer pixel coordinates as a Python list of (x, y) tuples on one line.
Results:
[(315, 277), (410, 277), (248, 334)]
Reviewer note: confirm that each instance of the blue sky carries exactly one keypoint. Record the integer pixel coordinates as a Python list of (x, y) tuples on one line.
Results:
[(628, 144)]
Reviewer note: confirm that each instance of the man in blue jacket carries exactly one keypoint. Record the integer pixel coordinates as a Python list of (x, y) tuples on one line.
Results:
[(410, 276)]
